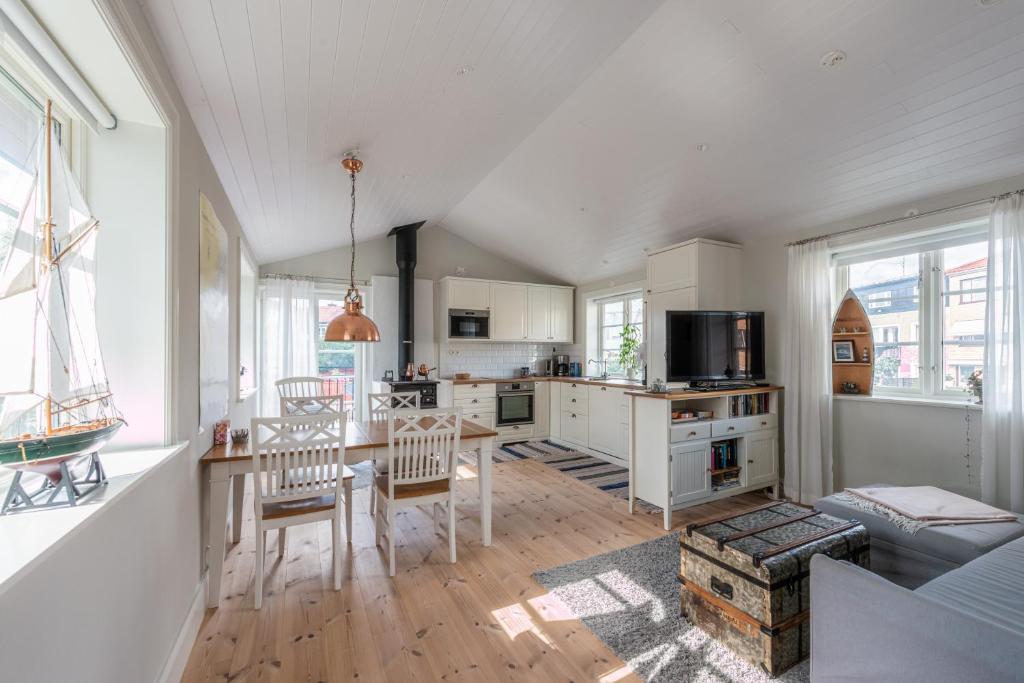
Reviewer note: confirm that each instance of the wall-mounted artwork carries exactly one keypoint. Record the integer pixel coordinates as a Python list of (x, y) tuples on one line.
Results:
[(214, 374)]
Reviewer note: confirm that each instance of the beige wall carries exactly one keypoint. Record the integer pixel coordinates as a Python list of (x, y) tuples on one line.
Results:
[(440, 253)]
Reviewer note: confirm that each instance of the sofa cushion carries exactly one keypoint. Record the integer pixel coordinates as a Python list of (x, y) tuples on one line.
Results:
[(957, 543), (990, 587)]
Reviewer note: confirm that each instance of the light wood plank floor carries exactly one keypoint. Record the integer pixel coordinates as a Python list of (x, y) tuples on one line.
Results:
[(481, 619)]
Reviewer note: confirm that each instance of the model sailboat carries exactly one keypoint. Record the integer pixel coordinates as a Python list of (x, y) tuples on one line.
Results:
[(55, 401)]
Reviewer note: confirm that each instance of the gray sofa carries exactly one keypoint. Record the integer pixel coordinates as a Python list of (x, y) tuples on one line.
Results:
[(965, 625)]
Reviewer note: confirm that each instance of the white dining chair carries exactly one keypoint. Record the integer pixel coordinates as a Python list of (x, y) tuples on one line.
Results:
[(297, 406), (423, 448), (379, 406), (305, 458), (298, 387)]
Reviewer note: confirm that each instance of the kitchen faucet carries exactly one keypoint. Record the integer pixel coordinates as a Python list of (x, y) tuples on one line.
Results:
[(603, 364)]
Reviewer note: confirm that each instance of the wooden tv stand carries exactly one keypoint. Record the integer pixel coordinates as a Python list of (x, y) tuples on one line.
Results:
[(677, 463)]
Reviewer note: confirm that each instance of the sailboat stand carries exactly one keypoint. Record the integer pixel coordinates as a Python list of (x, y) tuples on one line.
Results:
[(62, 491)]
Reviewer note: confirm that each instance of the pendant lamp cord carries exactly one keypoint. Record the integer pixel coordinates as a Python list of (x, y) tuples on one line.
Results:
[(352, 231)]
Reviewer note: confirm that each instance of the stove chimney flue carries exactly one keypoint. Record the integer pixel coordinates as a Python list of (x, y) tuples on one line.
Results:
[(405, 258)]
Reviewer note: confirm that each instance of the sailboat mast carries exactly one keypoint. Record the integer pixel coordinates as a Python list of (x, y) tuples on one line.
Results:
[(48, 235)]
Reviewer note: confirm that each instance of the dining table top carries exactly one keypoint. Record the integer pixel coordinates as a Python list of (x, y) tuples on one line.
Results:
[(358, 435)]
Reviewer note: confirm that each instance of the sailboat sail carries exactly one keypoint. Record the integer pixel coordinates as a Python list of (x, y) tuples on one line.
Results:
[(53, 374)]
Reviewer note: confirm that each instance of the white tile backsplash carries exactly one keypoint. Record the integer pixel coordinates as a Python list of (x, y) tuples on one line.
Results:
[(494, 359)]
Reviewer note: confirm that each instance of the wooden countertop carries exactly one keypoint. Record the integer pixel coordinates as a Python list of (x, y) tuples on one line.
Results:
[(620, 383), (683, 394), (358, 435)]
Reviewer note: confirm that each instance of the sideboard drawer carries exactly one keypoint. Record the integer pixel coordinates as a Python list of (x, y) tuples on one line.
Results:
[(690, 431)]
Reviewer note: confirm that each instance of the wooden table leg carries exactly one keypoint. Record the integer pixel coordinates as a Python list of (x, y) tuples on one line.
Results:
[(237, 498), (218, 505), (484, 475)]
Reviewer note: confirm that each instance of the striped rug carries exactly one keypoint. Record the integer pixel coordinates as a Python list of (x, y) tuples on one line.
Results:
[(612, 479)]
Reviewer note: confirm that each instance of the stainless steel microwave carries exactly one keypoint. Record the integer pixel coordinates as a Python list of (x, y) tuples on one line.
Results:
[(467, 324)]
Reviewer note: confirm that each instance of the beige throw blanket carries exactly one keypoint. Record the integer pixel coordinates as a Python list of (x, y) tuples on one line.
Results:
[(932, 505)]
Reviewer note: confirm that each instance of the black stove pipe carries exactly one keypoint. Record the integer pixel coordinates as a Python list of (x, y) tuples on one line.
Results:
[(405, 257)]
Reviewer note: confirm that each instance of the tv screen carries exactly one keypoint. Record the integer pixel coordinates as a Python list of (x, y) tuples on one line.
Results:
[(714, 345)]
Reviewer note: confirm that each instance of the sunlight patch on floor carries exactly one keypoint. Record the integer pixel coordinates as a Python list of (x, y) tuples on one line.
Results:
[(516, 620), (633, 594)]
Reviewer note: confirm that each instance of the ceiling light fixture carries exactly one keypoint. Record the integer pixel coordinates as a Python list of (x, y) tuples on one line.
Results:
[(831, 60), (464, 70), (352, 325), (702, 147)]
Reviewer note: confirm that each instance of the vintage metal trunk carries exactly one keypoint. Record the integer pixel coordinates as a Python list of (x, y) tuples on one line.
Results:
[(747, 576)]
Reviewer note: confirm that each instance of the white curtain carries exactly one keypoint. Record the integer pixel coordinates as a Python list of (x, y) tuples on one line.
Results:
[(288, 316), (1002, 441), (808, 373)]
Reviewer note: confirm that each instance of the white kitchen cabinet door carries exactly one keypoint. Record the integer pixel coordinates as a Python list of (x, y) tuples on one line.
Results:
[(672, 269), (574, 428), (690, 477), (541, 409), (554, 409), (560, 324), (762, 457), (473, 295), (508, 312), (538, 313), (654, 332), (605, 428)]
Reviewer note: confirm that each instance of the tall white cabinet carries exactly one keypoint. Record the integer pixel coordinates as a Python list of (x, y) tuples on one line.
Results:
[(698, 274)]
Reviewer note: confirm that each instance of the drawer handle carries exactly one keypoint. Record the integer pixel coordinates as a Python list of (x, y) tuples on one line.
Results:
[(515, 426), (476, 386), (574, 385), (731, 429), (574, 416), (475, 416), (750, 462), (764, 423), (475, 401), (604, 388), (692, 434)]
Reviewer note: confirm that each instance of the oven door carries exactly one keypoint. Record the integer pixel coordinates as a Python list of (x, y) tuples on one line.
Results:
[(515, 408), (463, 324)]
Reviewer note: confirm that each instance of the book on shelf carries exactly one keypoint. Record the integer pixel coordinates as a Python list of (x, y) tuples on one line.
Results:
[(749, 404)]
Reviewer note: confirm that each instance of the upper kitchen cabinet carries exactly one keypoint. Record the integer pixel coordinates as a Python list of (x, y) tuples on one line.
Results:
[(472, 295), (549, 314), (508, 311), (514, 311)]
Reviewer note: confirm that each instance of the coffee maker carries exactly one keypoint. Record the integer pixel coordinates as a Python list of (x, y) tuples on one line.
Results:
[(561, 365)]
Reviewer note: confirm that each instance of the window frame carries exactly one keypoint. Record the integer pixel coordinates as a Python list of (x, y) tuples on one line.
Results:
[(624, 298), (932, 290)]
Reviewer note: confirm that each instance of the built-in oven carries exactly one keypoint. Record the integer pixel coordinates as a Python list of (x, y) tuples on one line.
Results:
[(467, 324), (515, 404)]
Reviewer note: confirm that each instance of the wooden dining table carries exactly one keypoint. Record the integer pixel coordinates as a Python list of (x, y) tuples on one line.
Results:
[(227, 465)]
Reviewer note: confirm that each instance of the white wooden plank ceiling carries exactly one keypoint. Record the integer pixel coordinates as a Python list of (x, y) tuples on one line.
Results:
[(434, 94), (571, 143)]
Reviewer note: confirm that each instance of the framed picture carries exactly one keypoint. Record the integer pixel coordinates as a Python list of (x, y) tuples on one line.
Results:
[(842, 352)]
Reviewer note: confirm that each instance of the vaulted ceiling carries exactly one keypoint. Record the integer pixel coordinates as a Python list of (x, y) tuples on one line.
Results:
[(573, 135)]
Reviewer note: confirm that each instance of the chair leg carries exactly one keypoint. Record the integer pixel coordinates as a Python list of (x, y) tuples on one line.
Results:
[(437, 518), (348, 512), (391, 540), (336, 548), (280, 542), (378, 521), (451, 529), (373, 498), (261, 539)]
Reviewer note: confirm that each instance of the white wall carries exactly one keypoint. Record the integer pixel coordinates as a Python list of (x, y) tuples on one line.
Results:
[(875, 441), (439, 253), (109, 604)]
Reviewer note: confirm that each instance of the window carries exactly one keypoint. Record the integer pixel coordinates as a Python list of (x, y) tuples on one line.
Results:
[(338, 363), (927, 312), (612, 314)]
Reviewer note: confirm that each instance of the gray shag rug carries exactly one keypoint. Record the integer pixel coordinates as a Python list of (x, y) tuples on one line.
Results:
[(629, 599)]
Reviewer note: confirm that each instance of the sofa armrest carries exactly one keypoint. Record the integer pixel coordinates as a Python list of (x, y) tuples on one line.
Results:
[(865, 628)]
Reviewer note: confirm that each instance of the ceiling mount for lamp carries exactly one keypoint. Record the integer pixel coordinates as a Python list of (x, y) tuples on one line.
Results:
[(352, 325)]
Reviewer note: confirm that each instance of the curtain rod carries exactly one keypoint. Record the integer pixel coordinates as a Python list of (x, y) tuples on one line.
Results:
[(841, 233), (338, 280)]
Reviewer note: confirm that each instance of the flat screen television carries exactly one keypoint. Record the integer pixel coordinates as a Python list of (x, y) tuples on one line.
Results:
[(714, 345)]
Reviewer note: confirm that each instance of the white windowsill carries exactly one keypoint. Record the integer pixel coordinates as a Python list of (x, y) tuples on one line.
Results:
[(912, 401), (28, 538)]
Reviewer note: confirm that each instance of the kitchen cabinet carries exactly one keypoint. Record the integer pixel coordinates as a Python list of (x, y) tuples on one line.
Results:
[(560, 319), (554, 409), (689, 471), (604, 432), (673, 268), (538, 305), (762, 456), (473, 295), (574, 428), (508, 311)]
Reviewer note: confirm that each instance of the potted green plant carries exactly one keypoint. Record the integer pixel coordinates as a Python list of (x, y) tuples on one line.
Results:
[(629, 357)]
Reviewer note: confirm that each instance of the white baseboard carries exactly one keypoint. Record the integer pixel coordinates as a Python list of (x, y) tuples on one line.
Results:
[(176, 661)]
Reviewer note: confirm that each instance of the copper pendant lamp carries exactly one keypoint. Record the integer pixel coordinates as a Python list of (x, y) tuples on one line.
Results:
[(352, 325)]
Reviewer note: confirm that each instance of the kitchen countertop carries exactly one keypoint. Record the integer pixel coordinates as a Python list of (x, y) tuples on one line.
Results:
[(683, 394), (620, 383)]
